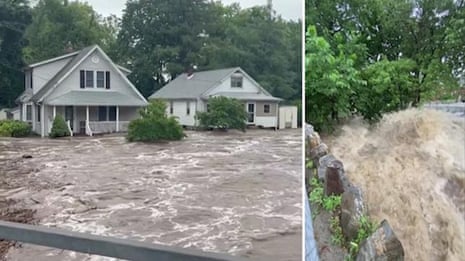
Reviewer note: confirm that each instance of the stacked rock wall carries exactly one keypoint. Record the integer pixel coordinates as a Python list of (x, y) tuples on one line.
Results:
[(382, 244)]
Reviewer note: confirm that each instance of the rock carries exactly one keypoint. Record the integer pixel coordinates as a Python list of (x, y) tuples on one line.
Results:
[(318, 152), (323, 164), (308, 130), (352, 209), (382, 245), (333, 178), (27, 156)]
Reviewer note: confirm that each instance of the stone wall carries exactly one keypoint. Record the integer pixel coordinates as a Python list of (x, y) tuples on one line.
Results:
[(382, 244)]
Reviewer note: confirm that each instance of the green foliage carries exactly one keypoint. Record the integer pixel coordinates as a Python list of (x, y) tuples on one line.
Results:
[(58, 27), (391, 66), (211, 36), (14, 18), (390, 87), (367, 227), (224, 113), (59, 128), (318, 198), (330, 82), (12, 128), (337, 238), (154, 125)]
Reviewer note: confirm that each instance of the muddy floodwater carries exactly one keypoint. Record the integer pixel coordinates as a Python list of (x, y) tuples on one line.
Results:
[(236, 193)]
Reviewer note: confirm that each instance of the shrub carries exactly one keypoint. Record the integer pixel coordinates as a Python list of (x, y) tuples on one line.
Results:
[(154, 125), (59, 128), (13, 128), (224, 113)]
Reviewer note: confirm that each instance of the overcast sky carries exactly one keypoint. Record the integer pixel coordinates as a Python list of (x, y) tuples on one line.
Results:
[(288, 9)]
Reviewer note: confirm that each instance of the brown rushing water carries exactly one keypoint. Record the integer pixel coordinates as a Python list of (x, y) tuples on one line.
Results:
[(411, 168), (230, 193)]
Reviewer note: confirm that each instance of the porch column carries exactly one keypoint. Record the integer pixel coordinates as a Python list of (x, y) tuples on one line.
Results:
[(33, 116), (54, 111), (117, 118), (87, 118), (42, 120)]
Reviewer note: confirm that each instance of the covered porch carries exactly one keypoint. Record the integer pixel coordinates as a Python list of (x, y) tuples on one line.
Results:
[(90, 120), (91, 112)]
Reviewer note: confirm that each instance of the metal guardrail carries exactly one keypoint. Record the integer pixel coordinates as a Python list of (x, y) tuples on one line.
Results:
[(104, 246)]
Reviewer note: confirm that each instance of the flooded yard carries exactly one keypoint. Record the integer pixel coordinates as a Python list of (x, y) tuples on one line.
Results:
[(237, 193)]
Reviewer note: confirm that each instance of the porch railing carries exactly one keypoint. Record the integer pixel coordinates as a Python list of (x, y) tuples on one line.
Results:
[(108, 126), (68, 123), (105, 246), (88, 129)]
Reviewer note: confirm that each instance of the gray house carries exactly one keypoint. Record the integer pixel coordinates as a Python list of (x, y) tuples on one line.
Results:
[(189, 93), (91, 92)]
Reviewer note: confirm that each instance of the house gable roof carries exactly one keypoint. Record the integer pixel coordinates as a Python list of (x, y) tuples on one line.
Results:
[(183, 88), (71, 66), (201, 83)]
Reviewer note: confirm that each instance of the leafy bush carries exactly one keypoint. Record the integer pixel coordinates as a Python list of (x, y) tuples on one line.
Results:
[(13, 128), (154, 125), (224, 113), (59, 128)]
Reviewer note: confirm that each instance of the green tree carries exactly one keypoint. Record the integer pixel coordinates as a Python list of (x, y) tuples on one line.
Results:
[(58, 27), (330, 82), (14, 18), (390, 87), (154, 125), (162, 37), (59, 128), (223, 113), (210, 36)]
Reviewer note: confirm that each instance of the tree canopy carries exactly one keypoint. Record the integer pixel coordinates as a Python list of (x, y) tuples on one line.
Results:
[(14, 18), (405, 52), (156, 39)]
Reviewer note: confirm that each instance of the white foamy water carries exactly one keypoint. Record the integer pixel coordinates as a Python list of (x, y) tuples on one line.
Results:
[(228, 193), (411, 168)]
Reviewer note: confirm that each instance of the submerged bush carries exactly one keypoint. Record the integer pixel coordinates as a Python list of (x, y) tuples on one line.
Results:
[(223, 113), (59, 128), (154, 125), (14, 128)]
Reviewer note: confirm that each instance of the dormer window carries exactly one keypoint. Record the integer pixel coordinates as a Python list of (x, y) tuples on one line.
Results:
[(236, 80)]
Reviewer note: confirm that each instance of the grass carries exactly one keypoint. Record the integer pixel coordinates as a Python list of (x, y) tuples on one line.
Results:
[(332, 204)]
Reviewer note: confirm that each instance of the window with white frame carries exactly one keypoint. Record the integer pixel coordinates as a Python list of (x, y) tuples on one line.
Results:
[(28, 112), (100, 79), (90, 79), (107, 113), (266, 108), (236, 81)]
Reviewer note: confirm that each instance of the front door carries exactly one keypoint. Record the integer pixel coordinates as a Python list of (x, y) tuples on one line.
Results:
[(250, 112), (69, 115)]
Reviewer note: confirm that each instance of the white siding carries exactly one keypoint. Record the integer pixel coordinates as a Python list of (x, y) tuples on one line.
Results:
[(288, 117), (266, 121), (72, 82), (180, 112), (42, 74), (225, 86)]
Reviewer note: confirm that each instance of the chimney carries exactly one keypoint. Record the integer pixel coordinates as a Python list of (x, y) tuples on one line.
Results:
[(69, 47), (190, 72)]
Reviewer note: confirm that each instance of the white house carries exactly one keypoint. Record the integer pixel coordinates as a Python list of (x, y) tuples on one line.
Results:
[(189, 93), (91, 92)]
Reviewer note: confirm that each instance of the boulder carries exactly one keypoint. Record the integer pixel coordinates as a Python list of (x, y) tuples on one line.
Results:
[(318, 152), (323, 164), (352, 209), (333, 184), (382, 245)]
